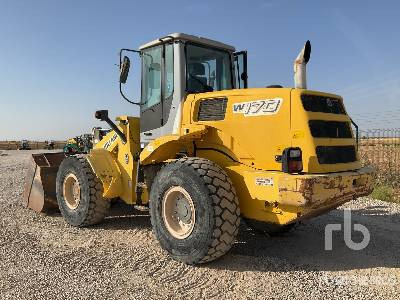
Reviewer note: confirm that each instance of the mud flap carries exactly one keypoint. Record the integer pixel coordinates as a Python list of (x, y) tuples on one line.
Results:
[(40, 185)]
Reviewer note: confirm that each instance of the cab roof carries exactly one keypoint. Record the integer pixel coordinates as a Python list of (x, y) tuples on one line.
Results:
[(189, 38)]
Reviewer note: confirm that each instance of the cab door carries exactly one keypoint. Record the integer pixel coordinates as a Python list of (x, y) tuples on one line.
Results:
[(157, 87), (151, 104)]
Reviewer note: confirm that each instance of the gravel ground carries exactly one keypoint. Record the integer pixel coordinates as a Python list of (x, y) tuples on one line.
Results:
[(41, 257)]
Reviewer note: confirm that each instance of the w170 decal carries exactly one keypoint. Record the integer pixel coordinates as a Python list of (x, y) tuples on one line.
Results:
[(258, 107)]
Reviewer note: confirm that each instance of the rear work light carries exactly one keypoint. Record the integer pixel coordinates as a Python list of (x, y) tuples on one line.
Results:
[(292, 161)]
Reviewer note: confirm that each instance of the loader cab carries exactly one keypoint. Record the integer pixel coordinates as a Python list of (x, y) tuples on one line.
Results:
[(176, 66)]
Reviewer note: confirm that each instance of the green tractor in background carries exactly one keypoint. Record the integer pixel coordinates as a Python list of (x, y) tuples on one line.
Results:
[(79, 144), (85, 142)]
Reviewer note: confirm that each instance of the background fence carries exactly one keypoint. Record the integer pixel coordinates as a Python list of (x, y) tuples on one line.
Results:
[(381, 148), (14, 145)]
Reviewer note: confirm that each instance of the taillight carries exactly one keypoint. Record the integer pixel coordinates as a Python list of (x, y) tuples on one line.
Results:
[(292, 161)]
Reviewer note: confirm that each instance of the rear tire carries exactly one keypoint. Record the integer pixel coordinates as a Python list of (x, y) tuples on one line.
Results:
[(210, 214), (79, 193)]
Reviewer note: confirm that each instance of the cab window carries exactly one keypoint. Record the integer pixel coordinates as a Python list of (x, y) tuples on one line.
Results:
[(207, 69), (151, 76)]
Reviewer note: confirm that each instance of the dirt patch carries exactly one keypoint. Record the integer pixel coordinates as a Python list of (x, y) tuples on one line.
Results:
[(41, 257)]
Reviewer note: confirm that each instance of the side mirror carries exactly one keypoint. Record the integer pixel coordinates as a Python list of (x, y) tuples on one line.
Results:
[(124, 69)]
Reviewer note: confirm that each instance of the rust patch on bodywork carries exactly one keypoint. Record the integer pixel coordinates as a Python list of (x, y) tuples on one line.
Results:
[(325, 191)]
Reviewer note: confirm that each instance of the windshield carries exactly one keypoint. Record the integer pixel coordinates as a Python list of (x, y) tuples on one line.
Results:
[(208, 69)]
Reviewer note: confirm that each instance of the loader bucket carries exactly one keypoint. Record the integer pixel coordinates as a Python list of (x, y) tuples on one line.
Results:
[(40, 184)]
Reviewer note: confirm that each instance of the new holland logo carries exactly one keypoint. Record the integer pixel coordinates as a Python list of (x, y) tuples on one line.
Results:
[(110, 141), (258, 107)]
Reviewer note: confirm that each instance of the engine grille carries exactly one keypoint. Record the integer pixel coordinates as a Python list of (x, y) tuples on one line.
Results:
[(330, 129), (322, 104), (212, 109), (336, 154)]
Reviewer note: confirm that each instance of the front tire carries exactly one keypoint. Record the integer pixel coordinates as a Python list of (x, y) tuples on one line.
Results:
[(194, 210), (79, 193)]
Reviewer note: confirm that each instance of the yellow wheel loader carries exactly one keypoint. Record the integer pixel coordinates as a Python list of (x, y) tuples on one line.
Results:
[(207, 151)]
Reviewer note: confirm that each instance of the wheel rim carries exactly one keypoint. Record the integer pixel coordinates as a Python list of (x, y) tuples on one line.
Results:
[(71, 191), (178, 212)]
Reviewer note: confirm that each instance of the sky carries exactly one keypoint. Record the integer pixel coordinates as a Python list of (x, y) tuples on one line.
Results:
[(58, 59)]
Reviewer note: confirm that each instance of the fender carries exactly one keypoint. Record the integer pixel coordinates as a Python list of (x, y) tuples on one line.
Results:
[(166, 147)]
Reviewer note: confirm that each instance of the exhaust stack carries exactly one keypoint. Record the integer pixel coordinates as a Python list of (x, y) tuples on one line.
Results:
[(300, 70)]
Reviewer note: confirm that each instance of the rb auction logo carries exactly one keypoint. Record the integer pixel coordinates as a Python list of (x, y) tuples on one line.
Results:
[(347, 233)]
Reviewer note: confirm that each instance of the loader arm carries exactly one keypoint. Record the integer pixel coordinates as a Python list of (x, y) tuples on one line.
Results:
[(115, 162)]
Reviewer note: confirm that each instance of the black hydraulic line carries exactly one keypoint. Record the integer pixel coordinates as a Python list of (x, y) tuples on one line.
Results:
[(102, 115)]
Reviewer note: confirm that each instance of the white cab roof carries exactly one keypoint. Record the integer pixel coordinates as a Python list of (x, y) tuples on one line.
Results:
[(189, 38)]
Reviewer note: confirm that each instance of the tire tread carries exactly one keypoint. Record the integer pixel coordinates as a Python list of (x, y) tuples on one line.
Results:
[(225, 204), (98, 206)]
